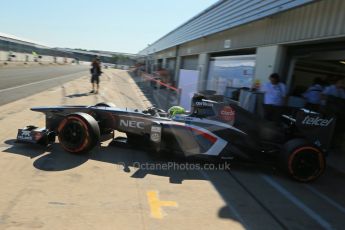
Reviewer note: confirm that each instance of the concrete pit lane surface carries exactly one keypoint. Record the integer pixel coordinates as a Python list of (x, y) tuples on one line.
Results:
[(117, 187)]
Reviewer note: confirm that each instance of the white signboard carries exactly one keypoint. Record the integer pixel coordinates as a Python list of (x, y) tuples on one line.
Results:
[(188, 85), (227, 44)]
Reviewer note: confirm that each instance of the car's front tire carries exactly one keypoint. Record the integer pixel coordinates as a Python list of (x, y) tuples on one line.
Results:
[(78, 133)]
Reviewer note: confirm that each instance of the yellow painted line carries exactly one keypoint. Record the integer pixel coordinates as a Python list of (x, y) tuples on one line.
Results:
[(156, 204)]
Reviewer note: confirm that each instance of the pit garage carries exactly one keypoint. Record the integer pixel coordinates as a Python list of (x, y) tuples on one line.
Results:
[(325, 61)]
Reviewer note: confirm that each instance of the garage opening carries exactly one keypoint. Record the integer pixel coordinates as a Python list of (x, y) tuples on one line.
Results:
[(308, 69), (326, 68)]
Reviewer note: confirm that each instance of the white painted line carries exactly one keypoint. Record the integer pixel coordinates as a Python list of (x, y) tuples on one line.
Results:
[(329, 200), (231, 208), (37, 82), (315, 216)]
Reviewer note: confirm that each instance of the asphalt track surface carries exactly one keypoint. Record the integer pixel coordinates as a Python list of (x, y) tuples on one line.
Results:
[(20, 82)]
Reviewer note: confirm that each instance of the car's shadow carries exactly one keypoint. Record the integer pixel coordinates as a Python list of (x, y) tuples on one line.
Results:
[(22, 149), (51, 158), (136, 162)]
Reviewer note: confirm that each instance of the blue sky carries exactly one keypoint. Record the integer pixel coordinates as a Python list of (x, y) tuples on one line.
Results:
[(114, 25)]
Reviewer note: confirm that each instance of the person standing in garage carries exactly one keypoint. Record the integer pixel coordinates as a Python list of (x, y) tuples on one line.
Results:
[(335, 90), (274, 99), (313, 95)]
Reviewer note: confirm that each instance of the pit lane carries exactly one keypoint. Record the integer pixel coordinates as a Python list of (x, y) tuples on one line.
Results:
[(108, 189)]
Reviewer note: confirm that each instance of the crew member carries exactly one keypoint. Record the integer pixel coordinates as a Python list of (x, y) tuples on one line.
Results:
[(335, 90), (274, 100), (313, 95)]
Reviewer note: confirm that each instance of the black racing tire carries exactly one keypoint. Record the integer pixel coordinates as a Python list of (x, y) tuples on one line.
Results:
[(78, 133), (302, 160), (106, 104)]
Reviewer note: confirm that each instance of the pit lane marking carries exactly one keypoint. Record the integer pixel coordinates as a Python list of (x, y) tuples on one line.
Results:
[(327, 199), (311, 213), (156, 204)]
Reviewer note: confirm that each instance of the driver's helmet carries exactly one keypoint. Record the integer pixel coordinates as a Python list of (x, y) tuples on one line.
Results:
[(176, 110)]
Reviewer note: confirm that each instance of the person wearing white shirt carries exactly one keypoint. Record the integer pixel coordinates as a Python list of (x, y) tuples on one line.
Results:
[(274, 99)]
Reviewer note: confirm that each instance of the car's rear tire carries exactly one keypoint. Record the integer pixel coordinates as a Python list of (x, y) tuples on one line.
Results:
[(303, 161), (78, 133)]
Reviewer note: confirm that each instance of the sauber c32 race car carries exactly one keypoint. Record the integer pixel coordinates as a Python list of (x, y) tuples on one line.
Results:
[(212, 129)]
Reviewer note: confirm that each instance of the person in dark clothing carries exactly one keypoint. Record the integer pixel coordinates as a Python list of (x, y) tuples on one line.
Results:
[(95, 73), (313, 95), (335, 90)]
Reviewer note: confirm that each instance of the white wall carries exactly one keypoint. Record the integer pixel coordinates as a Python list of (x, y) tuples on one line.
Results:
[(26, 57), (188, 85), (268, 61), (3, 56), (46, 59), (203, 70)]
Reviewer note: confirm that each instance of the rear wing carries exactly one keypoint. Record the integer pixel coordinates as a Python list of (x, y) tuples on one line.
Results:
[(316, 127)]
